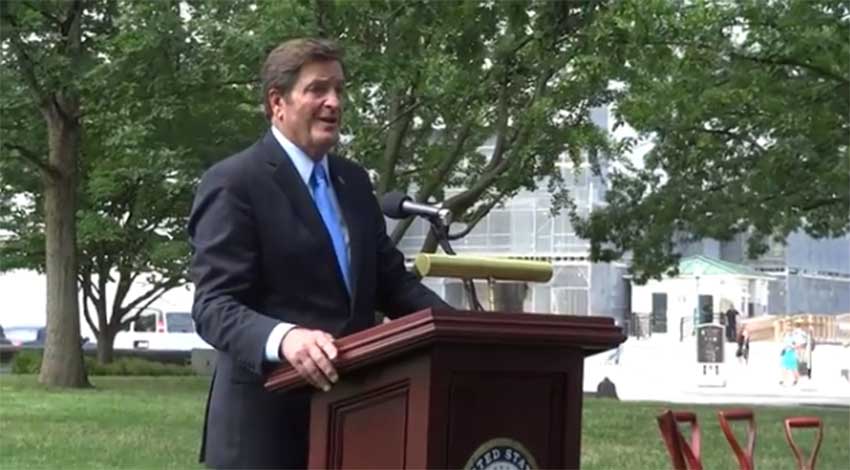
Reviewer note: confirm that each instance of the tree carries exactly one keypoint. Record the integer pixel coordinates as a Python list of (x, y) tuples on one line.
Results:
[(40, 42), (432, 82), (747, 106), (167, 89), (181, 105)]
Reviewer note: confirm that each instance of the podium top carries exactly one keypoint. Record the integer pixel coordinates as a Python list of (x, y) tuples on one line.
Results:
[(476, 267), (590, 335)]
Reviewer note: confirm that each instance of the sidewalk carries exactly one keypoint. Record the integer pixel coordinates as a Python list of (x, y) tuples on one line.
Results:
[(662, 369)]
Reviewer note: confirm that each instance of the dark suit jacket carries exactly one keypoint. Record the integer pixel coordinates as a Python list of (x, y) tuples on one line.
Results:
[(261, 254)]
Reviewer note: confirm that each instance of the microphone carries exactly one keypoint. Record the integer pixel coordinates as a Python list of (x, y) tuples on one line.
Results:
[(397, 205)]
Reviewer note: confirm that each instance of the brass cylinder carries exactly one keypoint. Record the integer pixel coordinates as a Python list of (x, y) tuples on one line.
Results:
[(474, 267)]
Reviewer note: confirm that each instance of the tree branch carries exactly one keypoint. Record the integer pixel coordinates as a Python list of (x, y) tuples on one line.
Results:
[(100, 303), (728, 133), (478, 215), (447, 164), (501, 127), (88, 286), (131, 319), (72, 21), (498, 163), (154, 292), (141, 303), (67, 102), (417, 171), (817, 204), (31, 157), (402, 115), (462, 201), (400, 229), (86, 313), (145, 304), (152, 300), (44, 13), (125, 281), (392, 147), (788, 61), (25, 62), (322, 14), (769, 60)]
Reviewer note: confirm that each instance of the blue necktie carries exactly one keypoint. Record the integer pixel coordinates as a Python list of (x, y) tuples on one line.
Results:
[(330, 216)]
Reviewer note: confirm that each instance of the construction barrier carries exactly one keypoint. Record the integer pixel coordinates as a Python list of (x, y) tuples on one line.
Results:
[(826, 329)]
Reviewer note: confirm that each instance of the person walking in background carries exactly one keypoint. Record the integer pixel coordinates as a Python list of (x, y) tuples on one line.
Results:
[(731, 323), (800, 339), (807, 353), (789, 362), (743, 351)]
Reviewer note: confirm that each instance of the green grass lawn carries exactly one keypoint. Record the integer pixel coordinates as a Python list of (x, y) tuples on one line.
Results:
[(148, 422), (625, 435), (124, 422)]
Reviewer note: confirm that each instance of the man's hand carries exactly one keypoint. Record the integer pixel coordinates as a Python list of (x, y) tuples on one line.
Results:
[(310, 352)]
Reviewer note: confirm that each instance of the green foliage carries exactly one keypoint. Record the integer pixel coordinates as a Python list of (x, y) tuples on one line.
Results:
[(165, 90), (133, 366), (746, 104), (26, 362), (29, 362), (481, 97), (739, 99)]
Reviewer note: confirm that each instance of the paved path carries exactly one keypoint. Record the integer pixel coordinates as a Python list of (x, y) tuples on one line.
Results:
[(663, 369)]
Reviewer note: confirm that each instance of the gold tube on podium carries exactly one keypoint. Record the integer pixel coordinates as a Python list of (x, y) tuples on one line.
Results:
[(478, 267)]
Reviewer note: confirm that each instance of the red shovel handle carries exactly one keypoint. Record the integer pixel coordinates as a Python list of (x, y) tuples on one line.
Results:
[(683, 455), (745, 458), (692, 450), (804, 422)]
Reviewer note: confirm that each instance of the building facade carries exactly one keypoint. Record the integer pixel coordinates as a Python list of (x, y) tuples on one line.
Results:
[(808, 275)]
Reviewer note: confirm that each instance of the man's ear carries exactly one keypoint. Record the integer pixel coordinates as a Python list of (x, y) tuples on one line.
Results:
[(275, 99)]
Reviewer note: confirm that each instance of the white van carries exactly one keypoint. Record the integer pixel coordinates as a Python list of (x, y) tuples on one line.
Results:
[(158, 330)]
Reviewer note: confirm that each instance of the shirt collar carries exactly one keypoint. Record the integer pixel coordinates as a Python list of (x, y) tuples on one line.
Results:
[(303, 164)]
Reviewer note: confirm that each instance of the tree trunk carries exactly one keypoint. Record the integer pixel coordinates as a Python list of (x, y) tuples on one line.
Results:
[(106, 346), (63, 356), (430, 244), (400, 229)]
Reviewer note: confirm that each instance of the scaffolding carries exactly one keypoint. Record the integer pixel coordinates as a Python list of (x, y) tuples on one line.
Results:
[(525, 228)]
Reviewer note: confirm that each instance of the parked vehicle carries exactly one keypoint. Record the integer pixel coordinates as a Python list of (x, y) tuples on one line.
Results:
[(26, 336), (7, 351), (157, 330), (4, 341), (34, 337)]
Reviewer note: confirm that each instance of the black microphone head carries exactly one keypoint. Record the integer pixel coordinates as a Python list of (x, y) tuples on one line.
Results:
[(391, 204)]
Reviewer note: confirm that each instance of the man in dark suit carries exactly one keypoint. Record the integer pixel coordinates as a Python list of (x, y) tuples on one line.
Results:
[(289, 252)]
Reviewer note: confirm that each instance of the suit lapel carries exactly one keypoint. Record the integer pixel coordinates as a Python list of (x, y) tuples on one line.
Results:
[(287, 177), (347, 197)]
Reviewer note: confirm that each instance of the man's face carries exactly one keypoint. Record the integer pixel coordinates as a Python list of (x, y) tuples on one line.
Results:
[(309, 115)]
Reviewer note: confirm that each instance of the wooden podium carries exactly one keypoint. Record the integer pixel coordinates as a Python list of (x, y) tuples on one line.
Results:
[(456, 390)]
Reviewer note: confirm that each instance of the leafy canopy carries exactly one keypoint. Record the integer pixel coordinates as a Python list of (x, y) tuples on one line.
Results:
[(747, 106)]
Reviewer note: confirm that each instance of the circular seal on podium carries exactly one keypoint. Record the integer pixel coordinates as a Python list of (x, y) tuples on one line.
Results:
[(501, 453)]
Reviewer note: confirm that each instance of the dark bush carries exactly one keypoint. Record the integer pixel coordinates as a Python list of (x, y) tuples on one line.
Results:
[(29, 362), (26, 362), (135, 366)]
